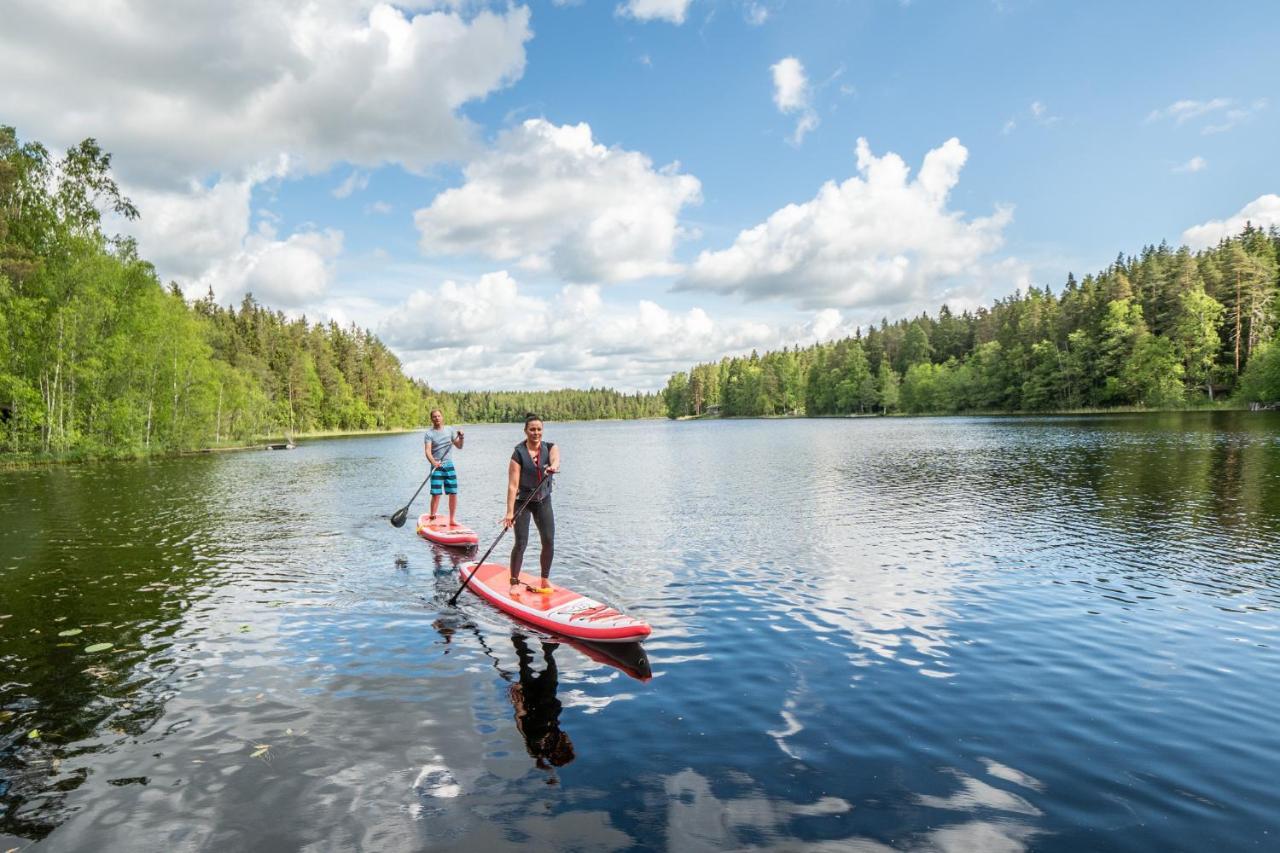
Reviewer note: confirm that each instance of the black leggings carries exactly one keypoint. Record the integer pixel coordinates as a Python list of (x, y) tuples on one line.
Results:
[(546, 521)]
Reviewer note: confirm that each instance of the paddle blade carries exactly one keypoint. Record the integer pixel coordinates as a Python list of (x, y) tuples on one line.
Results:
[(397, 520)]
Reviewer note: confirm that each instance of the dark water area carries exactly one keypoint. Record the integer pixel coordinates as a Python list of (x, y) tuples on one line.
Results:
[(990, 634)]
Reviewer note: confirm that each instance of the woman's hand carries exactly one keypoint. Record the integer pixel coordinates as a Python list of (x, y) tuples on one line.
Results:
[(508, 520), (552, 469)]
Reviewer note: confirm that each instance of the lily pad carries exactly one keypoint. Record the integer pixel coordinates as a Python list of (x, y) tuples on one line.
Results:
[(70, 632), (34, 734), (98, 647)]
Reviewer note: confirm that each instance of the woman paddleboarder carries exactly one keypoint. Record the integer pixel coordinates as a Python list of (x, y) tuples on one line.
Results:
[(531, 462)]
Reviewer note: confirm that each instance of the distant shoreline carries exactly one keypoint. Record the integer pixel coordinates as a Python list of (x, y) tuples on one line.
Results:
[(974, 413)]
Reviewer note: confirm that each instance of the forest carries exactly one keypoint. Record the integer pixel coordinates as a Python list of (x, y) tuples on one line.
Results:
[(99, 358), (1168, 328)]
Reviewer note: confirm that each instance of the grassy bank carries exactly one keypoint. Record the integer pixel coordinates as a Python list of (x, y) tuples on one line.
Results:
[(11, 462)]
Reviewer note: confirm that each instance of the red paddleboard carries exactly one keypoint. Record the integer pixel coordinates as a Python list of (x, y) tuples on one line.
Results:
[(438, 530), (562, 611)]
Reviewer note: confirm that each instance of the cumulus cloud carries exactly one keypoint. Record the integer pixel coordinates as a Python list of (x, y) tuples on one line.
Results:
[(181, 91), (1263, 212), (792, 94), (290, 273), (200, 237), (878, 239), (1195, 164), (199, 104), (672, 11), (184, 231), (550, 197), (489, 333)]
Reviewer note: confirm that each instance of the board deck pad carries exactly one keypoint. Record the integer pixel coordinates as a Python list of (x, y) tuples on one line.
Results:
[(438, 530), (562, 611)]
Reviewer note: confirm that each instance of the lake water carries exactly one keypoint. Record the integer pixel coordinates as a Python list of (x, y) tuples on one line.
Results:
[(877, 635)]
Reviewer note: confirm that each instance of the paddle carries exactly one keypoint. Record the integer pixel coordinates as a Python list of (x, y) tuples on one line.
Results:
[(398, 517), (480, 562)]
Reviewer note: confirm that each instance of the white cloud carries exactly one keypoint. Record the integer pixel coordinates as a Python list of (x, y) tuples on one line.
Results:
[(490, 334), (878, 239), (1224, 113), (181, 91), (184, 232), (200, 104), (1187, 109), (672, 11), (550, 197), (199, 236), (354, 182), (379, 207), (756, 14), (792, 94), (1041, 114), (1195, 164), (1263, 212), (1235, 116), (290, 273), (790, 85)]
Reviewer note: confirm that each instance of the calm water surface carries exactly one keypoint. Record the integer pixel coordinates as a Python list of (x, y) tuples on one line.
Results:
[(874, 635)]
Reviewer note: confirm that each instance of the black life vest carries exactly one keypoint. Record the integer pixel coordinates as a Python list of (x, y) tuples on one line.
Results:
[(532, 473)]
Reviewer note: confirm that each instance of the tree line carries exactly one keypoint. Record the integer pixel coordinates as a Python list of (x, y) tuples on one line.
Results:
[(1167, 328), (99, 358)]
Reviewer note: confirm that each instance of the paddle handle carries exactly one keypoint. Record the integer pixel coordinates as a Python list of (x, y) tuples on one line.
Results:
[(480, 562)]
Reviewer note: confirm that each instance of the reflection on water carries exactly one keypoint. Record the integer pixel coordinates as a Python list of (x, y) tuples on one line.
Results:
[(537, 710), (933, 634)]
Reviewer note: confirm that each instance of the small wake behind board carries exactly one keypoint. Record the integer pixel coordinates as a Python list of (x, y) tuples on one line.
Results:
[(562, 611), (438, 530)]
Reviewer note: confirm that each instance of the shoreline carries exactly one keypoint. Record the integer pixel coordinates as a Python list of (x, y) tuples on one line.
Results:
[(978, 413), (257, 443)]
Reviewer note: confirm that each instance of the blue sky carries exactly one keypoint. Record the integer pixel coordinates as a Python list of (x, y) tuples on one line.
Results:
[(553, 194)]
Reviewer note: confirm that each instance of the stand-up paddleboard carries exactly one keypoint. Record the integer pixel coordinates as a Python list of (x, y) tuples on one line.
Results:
[(562, 611), (439, 531)]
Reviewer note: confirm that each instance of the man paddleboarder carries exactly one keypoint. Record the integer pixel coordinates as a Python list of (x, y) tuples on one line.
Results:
[(439, 443)]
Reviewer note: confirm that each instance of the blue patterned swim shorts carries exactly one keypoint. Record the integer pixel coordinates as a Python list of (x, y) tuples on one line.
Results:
[(444, 480)]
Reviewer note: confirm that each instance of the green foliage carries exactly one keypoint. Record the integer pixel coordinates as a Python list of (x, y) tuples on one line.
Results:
[(1166, 328), (98, 358), (1261, 381)]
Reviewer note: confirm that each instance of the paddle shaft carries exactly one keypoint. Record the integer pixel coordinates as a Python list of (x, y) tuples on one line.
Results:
[(480, 562), (404, 510)]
